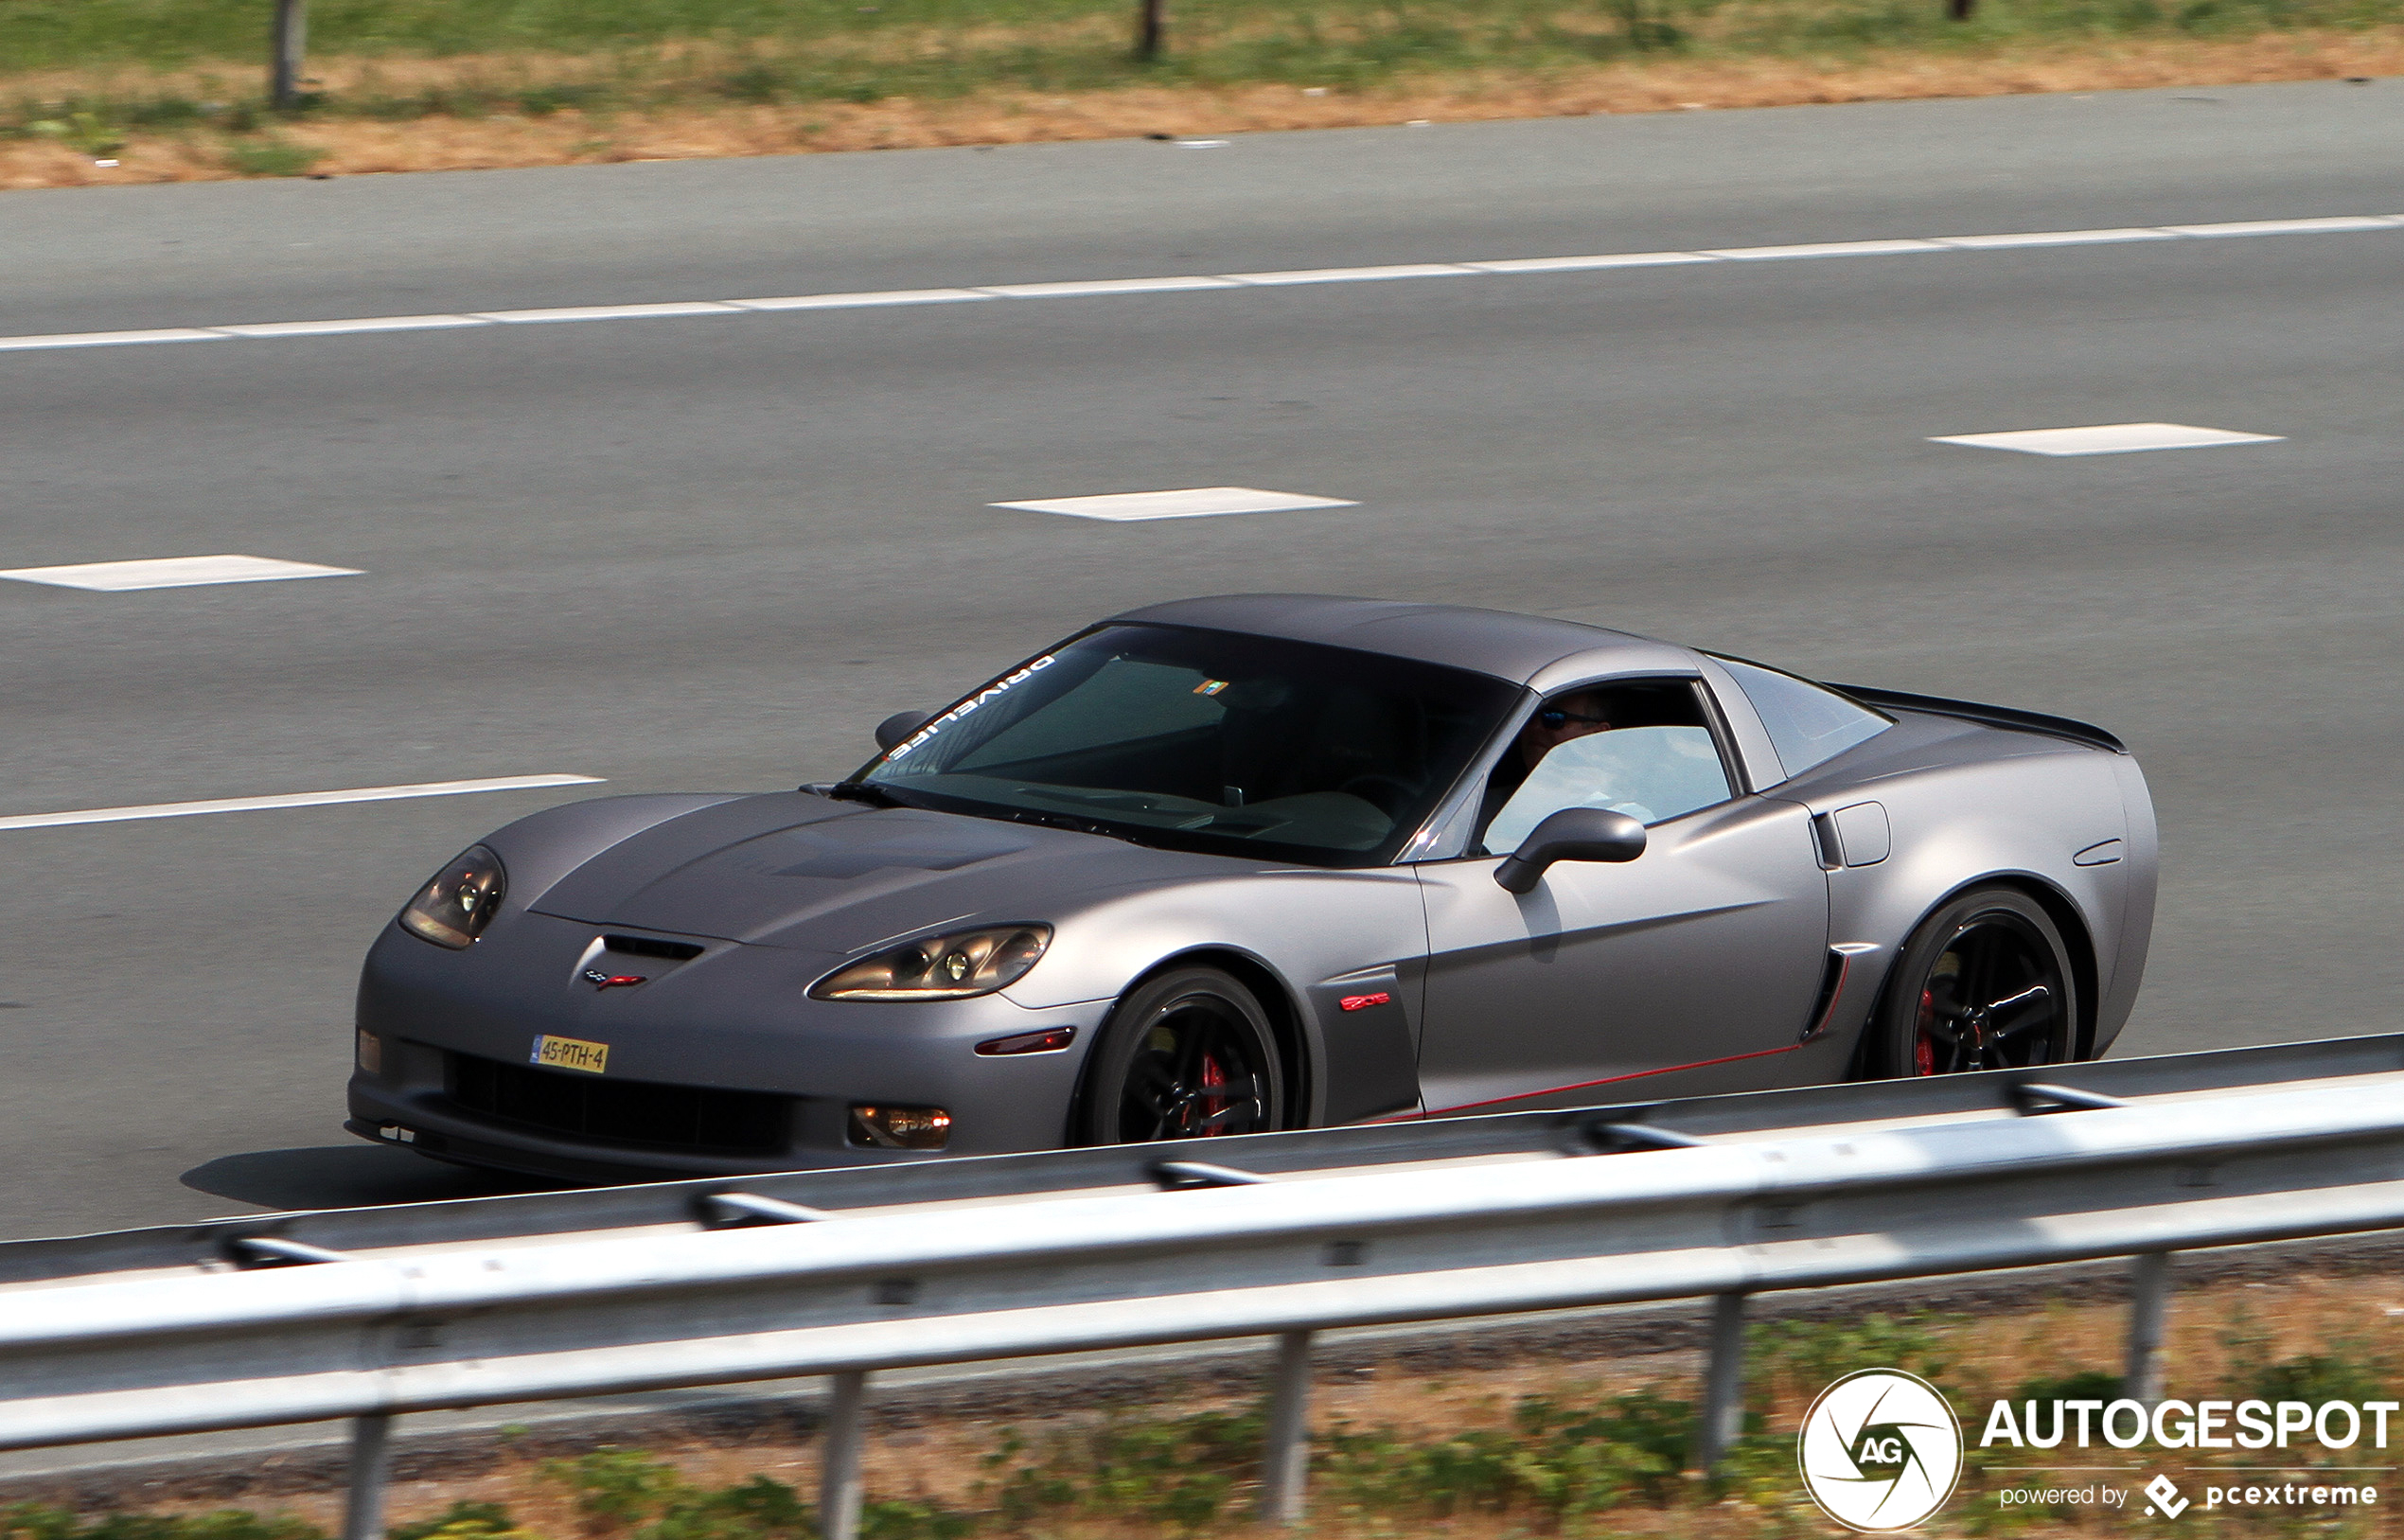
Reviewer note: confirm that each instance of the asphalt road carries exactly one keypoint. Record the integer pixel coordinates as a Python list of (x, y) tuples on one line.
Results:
[(711, 553)]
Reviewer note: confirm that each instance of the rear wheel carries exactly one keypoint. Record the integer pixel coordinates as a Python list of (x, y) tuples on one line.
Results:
[(1189, 1054), (1984, 983)]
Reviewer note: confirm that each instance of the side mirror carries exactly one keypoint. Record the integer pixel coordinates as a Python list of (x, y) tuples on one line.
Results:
[(900, 725), (1573, 833)]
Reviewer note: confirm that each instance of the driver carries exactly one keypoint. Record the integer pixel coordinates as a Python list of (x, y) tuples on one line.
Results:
[(1570, 716), (1558, 720)]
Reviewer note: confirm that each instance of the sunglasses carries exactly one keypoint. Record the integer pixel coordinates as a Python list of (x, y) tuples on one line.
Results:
[(1552, 719)]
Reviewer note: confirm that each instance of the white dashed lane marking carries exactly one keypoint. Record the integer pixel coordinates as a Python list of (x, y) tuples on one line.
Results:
[(863, 301), (2108, 438), (294, 799), (1831, 248), (1525, 266), (173, 572), (373, 323), (1186, 503), (1105, 286)]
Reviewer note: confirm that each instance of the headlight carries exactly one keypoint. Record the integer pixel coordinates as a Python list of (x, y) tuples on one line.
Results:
[(955, 967), (454, 908)]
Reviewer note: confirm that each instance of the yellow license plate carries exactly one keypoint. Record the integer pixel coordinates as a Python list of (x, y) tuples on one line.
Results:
[(571, 1054)]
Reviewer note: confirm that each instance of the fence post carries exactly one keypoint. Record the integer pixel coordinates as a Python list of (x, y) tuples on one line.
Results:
[(1285, 1455), (2148, 1308), (839, 1490), (1148, 29), (370, 1465), (1722, 1415), (287, 46)]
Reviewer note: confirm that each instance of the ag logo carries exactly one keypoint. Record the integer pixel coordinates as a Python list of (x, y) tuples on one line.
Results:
[(1879, 1450)]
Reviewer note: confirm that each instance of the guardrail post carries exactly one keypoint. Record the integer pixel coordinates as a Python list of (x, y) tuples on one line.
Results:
[(839, 1490), (1286, 1455), (370, 1465), (1723, 1417), (2148, 1306), (289, 45)]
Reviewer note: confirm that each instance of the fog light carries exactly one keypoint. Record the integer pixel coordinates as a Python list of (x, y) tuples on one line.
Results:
[(371, 1053), (900, 1127)]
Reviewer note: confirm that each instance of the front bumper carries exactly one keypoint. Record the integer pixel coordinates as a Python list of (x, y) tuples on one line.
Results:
[(716, 1064)]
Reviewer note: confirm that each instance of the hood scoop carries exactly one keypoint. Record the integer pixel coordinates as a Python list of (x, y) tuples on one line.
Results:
[(754, 869)]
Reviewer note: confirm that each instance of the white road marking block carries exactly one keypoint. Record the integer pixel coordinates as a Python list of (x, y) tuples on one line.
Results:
[(2108, 438), (296, 799), (173, 572), (1187, 503)]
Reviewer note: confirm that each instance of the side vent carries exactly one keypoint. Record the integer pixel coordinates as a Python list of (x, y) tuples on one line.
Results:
[(675, 951), (1831, 984), (1824, 834)]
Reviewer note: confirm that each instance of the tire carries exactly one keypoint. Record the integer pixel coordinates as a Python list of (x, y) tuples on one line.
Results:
[(1187, 1055), (1984, 983)]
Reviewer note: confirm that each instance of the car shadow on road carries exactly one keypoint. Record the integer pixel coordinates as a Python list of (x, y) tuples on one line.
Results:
[(345, 1176)]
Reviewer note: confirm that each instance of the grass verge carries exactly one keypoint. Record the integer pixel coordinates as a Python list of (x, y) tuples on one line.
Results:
[(169, 91), (1583, 1449)]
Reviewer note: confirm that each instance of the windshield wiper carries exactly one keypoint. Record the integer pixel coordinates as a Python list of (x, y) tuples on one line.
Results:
[(1066, 821), (881, 796), (876, 796)]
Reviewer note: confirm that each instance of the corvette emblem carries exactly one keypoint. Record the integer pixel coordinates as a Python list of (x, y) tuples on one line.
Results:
[(599, 980)]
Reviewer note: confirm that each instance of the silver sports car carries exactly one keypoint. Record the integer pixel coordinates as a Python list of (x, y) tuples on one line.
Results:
[(1270, 861)]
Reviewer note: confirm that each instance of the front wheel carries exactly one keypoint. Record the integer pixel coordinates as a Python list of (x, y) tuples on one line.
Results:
[(1187, 1054), (1984, 983)]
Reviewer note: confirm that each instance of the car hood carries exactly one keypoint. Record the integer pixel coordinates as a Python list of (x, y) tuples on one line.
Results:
[(797, 870)]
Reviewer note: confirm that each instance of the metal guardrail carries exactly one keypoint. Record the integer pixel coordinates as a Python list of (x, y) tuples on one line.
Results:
[(699, 1284)]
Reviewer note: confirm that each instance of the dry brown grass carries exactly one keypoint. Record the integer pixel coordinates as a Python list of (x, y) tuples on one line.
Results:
[(355, 147)]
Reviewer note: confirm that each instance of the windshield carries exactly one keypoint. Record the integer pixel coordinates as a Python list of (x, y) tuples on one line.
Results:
[(1208, 740)]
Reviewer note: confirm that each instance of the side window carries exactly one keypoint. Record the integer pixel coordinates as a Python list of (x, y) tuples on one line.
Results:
[(1807, 725), (1641, 749)]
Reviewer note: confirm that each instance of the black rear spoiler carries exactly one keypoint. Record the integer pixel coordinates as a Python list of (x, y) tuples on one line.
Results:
[(2005, 717)]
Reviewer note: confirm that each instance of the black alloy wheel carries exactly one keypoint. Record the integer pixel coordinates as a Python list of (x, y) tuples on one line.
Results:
[(1189, 1054), (1984, 983)]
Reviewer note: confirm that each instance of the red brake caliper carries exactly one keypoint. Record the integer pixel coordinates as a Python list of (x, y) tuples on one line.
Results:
[(1212, 1074), (1924, 1051)]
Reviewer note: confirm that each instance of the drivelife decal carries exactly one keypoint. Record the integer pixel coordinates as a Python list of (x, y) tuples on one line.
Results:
[(998, 687)]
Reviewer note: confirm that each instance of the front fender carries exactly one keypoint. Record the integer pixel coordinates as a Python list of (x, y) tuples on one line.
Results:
[(1322, 937)]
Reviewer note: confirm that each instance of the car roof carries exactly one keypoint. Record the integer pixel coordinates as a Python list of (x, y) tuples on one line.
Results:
[(1534, 651)]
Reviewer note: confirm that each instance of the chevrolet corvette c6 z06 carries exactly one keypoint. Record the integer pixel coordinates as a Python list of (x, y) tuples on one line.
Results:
[(1269, 861)]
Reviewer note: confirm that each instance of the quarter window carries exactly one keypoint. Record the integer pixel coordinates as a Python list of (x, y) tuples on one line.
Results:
[(1807, 725)]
